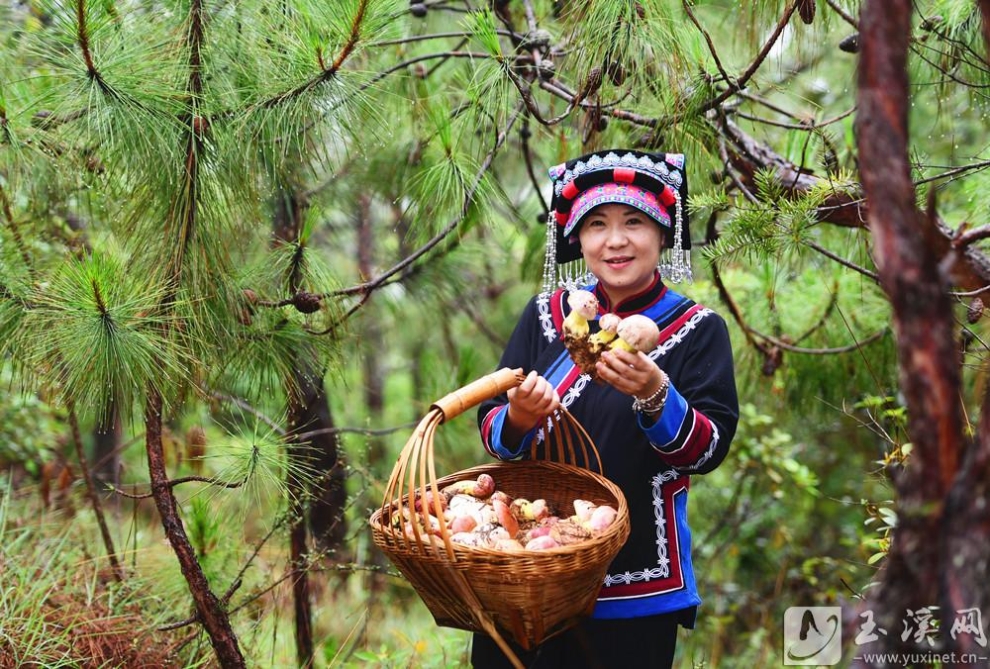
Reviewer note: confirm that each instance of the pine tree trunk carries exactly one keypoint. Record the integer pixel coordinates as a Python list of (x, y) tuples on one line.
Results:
[(210, 612), (106, 446), (966, 547), (328, 499), (308, 411), (298, 563), (373, 377), (929, 370), (94, 496)]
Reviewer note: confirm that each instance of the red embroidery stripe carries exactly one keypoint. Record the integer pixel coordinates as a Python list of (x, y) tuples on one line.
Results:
[(568, 380), (570, 191), (676, 579), (557, 310), (666, 333), (486, 428), (673, 582), (696, 442)]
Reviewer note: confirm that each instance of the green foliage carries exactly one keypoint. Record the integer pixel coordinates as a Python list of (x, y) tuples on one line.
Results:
[(763, 445), (137, 252), (95, 334), (29, 430), (778, 525)]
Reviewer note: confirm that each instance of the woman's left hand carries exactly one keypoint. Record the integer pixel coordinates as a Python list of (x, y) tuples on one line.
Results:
[(631, 373)]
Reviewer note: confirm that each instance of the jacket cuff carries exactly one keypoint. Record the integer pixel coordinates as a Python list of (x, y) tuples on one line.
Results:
[(667, 425)]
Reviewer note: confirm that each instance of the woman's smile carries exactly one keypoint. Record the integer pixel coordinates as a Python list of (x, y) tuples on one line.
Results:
[(621, 246)]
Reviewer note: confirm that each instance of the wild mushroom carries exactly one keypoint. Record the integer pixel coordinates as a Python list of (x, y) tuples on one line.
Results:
[(584, 307), (637, 333), (608, 324)]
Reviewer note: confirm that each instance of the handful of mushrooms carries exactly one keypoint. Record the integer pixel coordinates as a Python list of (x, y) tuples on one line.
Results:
[(632, 333), (481, 516)]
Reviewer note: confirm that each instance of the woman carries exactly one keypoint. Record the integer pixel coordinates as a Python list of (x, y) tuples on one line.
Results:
[(656, 418)]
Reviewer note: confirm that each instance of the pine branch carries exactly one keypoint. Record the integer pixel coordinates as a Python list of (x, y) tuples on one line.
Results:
[(306, 436), (189, 193), (214, 481), (848, 18), (82, 36), (432, 36), (806, 125), (733, 86), (328, 73), (823, 319), (8, 215), (968, 237), (686, 4), (873, 276), (366, 289), (787, 346), (213, 616), (524, 135), (6, 136)]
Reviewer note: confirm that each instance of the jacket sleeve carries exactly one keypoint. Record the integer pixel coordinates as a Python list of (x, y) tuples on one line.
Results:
[(521, 352), (693, 432)]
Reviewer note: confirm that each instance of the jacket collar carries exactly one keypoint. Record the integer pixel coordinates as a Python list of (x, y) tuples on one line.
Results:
[(634, 304)]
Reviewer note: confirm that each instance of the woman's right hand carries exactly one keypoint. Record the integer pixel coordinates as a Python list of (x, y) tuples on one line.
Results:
[(530, 402)]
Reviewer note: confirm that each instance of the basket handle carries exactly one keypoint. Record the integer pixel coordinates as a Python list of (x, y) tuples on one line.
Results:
[(568, 442), (486, 388), (566, 437)]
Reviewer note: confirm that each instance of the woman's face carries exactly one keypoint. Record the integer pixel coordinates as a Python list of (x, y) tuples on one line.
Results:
[(621, 246)]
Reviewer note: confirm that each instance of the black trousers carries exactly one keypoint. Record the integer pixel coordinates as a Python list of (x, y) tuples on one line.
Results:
[(633, 643)]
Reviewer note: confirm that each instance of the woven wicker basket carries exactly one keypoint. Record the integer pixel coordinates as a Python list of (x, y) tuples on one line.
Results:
[(527, 596)]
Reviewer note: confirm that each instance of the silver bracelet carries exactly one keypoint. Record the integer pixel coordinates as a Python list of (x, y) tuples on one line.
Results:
[(654, 403)]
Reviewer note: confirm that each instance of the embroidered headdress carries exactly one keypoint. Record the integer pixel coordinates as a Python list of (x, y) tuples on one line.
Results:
[(654, 183)]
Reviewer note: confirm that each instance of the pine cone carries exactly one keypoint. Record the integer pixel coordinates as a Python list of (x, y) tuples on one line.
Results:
[(850, 44), (975, 311), (806, 8), (592, 82), (306, 303)]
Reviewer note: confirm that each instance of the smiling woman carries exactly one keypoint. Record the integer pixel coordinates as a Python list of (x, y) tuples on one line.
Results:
[(621, 246), (617, 232)]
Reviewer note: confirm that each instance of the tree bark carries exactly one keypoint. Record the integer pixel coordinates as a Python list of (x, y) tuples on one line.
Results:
[(984, 6), (210, 612), (299, 563), (308, 411), (374, 378), (94, 497), (288, 214), (106, 446), (966, 545), (929, 370)]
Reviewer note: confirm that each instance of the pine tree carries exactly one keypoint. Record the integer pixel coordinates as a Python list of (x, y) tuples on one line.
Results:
[(179, 184)]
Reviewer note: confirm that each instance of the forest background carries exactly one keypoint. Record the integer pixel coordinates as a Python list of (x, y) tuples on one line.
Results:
[(243, 246)]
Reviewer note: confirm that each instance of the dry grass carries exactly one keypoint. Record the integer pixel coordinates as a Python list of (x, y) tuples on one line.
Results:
[(75, 624)]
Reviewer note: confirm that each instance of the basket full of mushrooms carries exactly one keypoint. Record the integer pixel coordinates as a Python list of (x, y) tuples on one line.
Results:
[(516, 550)]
